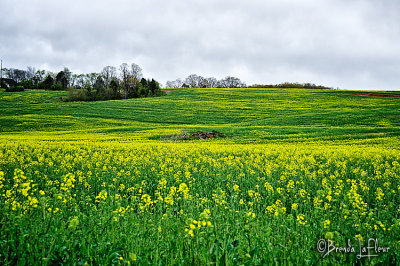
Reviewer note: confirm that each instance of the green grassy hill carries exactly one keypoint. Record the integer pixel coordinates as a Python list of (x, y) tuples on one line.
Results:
[(98, 183), (246, 115)]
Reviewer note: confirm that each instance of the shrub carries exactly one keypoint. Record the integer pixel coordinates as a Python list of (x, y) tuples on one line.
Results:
[(56, 87), (27, 84), (77, 95), (15, 88)]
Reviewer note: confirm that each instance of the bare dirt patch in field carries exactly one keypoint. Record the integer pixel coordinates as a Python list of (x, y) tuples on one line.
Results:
[(170, 90), (193, 136)]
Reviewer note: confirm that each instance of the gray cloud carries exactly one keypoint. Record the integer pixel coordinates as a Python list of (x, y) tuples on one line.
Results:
[(351, 44)]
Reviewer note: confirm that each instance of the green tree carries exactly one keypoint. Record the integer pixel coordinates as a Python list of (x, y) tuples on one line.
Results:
[(47, 82), (61, 79), (114, 87), (154, 87)]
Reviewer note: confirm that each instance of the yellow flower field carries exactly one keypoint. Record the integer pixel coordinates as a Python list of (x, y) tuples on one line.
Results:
[(291, 176), (199, 202)]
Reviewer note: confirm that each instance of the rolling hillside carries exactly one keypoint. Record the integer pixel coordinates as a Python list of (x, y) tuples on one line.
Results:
[(295, 172), (246, 115)]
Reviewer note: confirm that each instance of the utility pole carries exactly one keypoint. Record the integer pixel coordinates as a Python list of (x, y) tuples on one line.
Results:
[(1, 73)]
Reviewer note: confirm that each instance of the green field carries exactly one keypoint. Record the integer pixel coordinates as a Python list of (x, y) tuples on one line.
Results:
[(102, 183), (247, 115)]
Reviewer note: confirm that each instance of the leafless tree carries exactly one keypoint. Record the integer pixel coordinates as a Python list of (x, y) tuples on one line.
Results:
[(178, 83), (170, 84), (39, 75), (136, 71), (201, 82), (108, 73), (174, 84), (74, 79), (193, 80), (91, 78), (80, 80), (17, 75), (124, 72), (68, 76), (212, 82), (30, 72), (231, 82)]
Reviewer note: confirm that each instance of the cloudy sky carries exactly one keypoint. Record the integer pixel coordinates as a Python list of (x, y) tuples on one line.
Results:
[(349, 44)]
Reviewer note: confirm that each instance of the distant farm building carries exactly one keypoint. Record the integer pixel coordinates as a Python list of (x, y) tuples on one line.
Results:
[(6, 82)]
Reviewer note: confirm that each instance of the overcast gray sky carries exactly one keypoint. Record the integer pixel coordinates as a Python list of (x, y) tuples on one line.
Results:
[(349, 44)]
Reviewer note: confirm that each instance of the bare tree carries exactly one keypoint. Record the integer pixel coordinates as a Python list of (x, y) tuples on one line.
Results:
[(68, 76), (39, 75), (17, 75), (170, 84), (174, 84), (178, 83), (124, 72), (30, 72), (91, 78), (193, 80), (212, 82), (201, 82), (74, 79), (231, 82), (8, 72), (108, 73), (136, 71), (80, 80), (20, 75)]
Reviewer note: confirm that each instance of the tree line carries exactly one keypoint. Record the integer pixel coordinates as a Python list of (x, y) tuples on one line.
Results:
[(291, 85), (125, 82), (111, 83), (197, 81)]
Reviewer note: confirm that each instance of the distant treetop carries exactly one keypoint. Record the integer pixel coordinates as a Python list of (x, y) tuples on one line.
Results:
[(291, 85), (196, 81)]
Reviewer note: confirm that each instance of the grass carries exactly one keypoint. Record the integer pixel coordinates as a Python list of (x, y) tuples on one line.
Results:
[(94, 182), (255, 115)]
